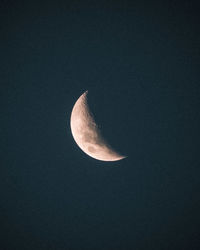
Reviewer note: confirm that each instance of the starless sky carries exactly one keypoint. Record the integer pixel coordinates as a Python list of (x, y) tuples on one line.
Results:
[(140, 63)]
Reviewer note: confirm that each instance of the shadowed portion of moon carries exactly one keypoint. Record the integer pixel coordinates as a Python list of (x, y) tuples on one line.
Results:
[(87, 134)]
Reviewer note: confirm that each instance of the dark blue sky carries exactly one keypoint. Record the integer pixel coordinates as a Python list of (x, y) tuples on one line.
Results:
[(140, 63)]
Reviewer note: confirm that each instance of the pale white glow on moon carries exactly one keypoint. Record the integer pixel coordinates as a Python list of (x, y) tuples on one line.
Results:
[(87, 134)]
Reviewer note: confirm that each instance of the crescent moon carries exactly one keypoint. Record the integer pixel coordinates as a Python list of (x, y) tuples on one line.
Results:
[(87, 135)]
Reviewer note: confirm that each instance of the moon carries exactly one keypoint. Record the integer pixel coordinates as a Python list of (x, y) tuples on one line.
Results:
[(87, 135)]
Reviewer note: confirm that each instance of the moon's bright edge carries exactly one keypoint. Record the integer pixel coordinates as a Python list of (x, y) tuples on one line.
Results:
[(87, 134)]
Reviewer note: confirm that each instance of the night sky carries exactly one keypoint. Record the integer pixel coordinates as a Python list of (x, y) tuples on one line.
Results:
[(140, 63)]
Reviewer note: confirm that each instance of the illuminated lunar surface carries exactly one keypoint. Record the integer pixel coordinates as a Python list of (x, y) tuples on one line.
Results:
[(87, 134)]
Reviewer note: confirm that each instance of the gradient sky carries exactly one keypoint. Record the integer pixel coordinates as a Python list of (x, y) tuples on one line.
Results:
[(140, 63)]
